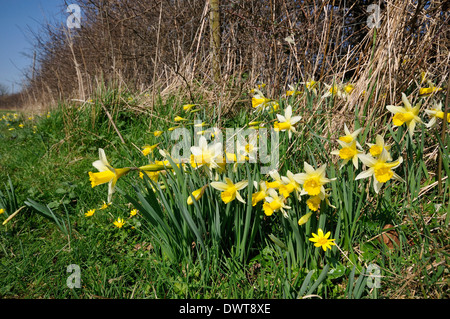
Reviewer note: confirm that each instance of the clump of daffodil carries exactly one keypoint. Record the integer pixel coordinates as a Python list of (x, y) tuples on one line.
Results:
[(348, 152), (406, 115), (274, 202), (377, 148), (313, 180), (147, 149), (229, 190), (197, 194), (106, 174), (380, 169), (286, 122), (119, 222), (436, 113), (321, 240)]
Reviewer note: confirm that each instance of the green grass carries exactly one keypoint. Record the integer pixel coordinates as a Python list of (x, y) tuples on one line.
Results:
[(48, 160)]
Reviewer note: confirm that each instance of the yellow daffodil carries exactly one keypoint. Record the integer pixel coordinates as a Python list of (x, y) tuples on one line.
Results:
[(289, 185), (313, 180), (348, 152), (379, 168), (157, 133), (406, 115), (277, 181), (311, 86), (333, 90), (179, 119), (208, 155), (349, 137), (304, 219), (89, 212), (322, 240), (147, 149), (286, 122), (153, 175), (188, 107), (197, 194), (106, 174), (429, 90), (274, 202), (229, 190), (377, 148), (436, 113), (348, 88), (119, 222), (292, 91), (261, 103), (314, 202), (261, 194)]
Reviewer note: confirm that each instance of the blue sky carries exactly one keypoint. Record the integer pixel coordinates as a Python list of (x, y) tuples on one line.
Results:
[(16, 49)]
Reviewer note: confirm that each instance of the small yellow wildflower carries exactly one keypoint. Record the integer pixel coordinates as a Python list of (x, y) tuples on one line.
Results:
[(119, 222), (322, 240), (2, 210), (105, 205), (89, 212), (133, 212)]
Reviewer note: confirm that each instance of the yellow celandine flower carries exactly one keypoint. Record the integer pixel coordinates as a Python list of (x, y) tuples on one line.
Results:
[(287, 122), (304, 219), (380, 169), (274, 202), (322, 240), (406, 115), (377, 148), (197, 194), (104, 205), (208, 155), (106, 174), (313, 180), (229, 190), (348, 152), (289, 185), (436, 113), (133, 212), (147, 149), (2, 210), (89, 212), (119, 222)]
